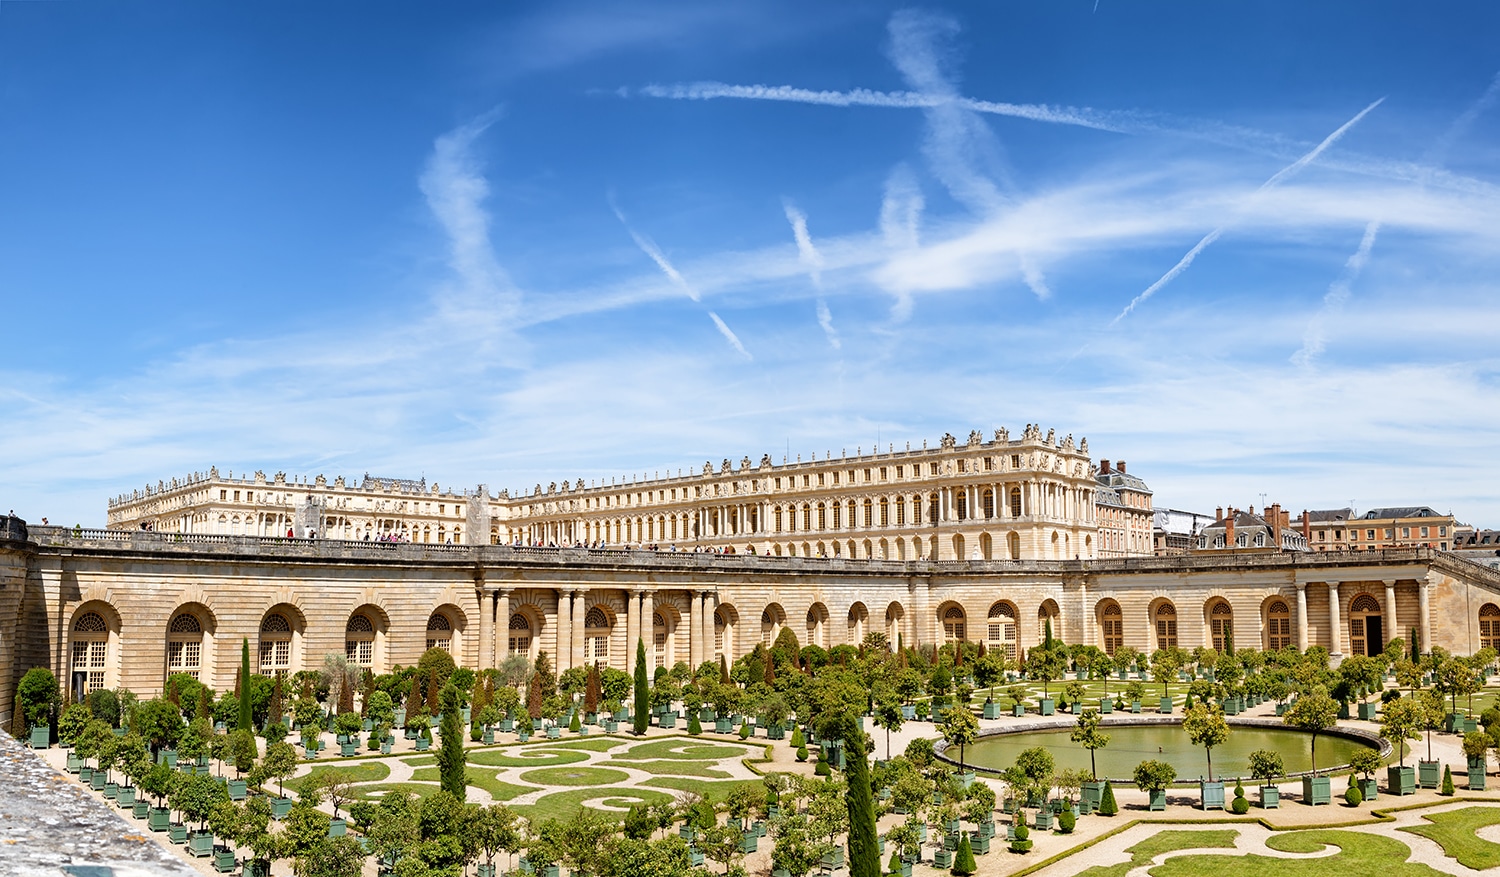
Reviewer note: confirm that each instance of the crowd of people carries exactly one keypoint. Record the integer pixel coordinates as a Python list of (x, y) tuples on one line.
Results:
[(602, 545)]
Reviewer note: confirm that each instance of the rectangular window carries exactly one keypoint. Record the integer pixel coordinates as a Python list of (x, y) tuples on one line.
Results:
[(963, 465), (989, 464), (223, 494), (900, 471), (1370, 535), (867, 476), (835, 478), (932, 468), (1321, 535), (1442, 531), (778, 483), (1015, 461), (1424, 532), (1405, 534), (820, 479), (1390, 532), (883, 473), (236, 496), (807, 481)]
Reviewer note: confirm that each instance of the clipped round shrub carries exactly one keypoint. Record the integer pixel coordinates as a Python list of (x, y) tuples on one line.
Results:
[(1022, 843), (1066, 821), (801, 753), (1241, 806), (1353, 797), (744, 730), (822, 769)]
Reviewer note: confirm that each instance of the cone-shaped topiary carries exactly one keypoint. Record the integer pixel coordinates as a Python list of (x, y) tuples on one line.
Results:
[(963, 860), (1447, 781), (1107, 805), (894, 865), (695, 727), (797, 741), (573, 724)]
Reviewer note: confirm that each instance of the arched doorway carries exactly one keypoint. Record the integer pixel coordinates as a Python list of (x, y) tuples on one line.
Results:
[(90, 652), (521, 635), (359, 640), (1111, 627), (1278, 625), (895, 613), (1002, 629), (275, 646), (817, 625), (597, 626), (772, 618), (858, 621), (1166, 625), (440, 632), (1365, 623), (185, 645), (1048, 618), (1220, 626), (1489, 626), (953, 621)]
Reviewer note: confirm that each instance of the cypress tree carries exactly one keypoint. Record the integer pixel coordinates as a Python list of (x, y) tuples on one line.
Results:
[(642, 717), (864, 845), (432, 692), (245, 719), (274, 714), (534, 697), (450, 757), (963, 860), (1416, 646), (1107, 805)]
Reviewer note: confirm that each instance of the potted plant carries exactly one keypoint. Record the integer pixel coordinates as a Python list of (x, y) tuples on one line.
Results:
[(1266, 765), (159, 782), (279, 763), (1476, 746), (1206, 727), (1087, 734), (1366, 762), (348, 726), (1153, 777), (134, 762), (1135, 691), (1314, 712), (195, 797), (1401, 720), (1017, 700)]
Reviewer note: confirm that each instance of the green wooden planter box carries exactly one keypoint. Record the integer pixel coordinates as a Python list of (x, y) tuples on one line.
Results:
[(1369, 789), (1429, 774), (488, 736), (980, 845), (257, 868), (1048, 706), (1106, 706), (611, 726), (177, 833), (667, 720), (41, 737), (1367, 711), (1401, 780), (524, 735), (159, 819), (1091, 794), (337, 827), (749, 843), (423, 744), (97, 781), (554, 733), (1157, 799), (125, 797), (280, 807), (238, 789), (74, 762), (140, 808), (1316, 790), (111, 790), (904, 872), (485, 871), (385, 747), (1166, 706), (1476, 779), (834, 858), (991, 710), (1017, 710), (942, 859), (167, 757), (348, 749), (723, 726), (224, 861), (1270, 798), (1135, 707), (200, 844), (1044, 820), (1212, 795), (507, 725), (908, 711)]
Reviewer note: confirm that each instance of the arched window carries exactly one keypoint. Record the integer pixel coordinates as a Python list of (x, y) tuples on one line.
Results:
[(723, 633), (440, 632), (817, 617), (1112, 626), (989, 502), (184, 644), (275, 644), (1002, 629), (770, 624), (1364, 626), (1278, 625), (1166, 626), (932, 510), (596, 627), (1221, 626), (90, 649), (1047, 617), (520, 635), (359, 640), (1489, 626), (659, 638), (953, 624), (1015, 502)]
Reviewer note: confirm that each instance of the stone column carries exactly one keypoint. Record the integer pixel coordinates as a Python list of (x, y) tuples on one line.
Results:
[(564, 630), (1302, 616), (695, 630), (1391, 625), (486, 629), (502, 623), (580, 606), (632, 626), (1424, 615), (648, 630), (1336, 631)]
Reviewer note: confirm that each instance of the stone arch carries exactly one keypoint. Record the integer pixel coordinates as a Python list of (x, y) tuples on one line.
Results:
[(1002, 629), (858, 623), (772, 620), (1164, 622), (817, 625), (664, 623), (1366, 636), (1111, 620), (190, 640), (279, 640), (1013, 544), (366, 634), (726, 622), (598, 628), (457, 621), (986, 546), (1218, 621), (952, 622), (523, 631), (895, 616), (1048, 611), (1277, 625), (1489, 626), (93, 648)]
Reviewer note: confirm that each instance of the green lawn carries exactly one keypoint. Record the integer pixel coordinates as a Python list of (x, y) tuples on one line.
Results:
[(562, 805), (374, 793), (1165, 842), (714, 792), (528, 758), (359, 772), (479, 779), (593, 744), (1454, 831), (1358, 854), (690, 750), (674, 768), (575, 776)]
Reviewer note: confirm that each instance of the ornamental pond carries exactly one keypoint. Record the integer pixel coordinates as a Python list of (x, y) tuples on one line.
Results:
[(1129, 745)]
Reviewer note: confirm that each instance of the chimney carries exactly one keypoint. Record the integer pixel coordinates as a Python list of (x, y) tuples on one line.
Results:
[(1121, 466), (1218, 514), (1104, 467), (1274, 519), (1229, 530), (1306, 527)]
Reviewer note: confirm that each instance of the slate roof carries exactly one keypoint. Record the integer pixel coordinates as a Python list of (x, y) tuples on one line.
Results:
[(1407, 511)]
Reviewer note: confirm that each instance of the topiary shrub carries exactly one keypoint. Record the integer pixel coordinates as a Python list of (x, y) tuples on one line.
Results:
[(1066, 821), (1240, 806), (963, 860), (801, 753), (822, 769), (695, 727), (1353, 797), (744, 730), (1447, 782), (575, 726), (894, 865), (798, 741), (1107, 805), (1022, 843)]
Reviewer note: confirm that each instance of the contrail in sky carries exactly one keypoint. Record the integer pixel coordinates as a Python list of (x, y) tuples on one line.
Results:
[(1279, 177)]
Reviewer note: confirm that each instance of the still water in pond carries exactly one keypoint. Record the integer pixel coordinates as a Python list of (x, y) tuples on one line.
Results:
[(1130, 745)]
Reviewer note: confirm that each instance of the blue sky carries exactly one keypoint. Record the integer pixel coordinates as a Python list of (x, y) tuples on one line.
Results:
[(1251, 248)]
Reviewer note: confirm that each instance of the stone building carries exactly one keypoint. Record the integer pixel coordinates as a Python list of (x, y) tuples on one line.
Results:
[(1124, 513), (1032, 497), (1397, 527)]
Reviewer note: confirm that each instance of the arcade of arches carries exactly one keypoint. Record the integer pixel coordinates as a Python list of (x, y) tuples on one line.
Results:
[(89, 616)]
